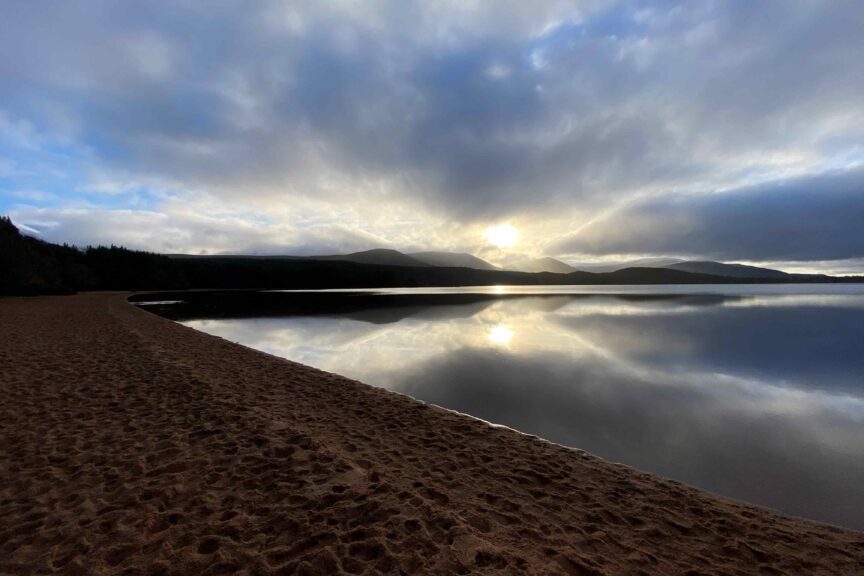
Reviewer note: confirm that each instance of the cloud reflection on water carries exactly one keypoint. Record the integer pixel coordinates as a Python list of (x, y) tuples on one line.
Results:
[(758, 398)]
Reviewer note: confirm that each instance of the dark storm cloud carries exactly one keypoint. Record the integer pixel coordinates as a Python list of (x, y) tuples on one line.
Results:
[(810, 218)]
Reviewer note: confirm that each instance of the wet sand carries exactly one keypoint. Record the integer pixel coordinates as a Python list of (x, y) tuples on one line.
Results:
[(133, 445)]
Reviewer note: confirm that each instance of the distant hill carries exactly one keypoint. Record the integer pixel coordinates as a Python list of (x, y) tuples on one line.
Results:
[(657, 262), (695, 266), (453, 259), (387, 257), (379, 256), (542, 265), (660, 276), (728, 270), (29, 266)]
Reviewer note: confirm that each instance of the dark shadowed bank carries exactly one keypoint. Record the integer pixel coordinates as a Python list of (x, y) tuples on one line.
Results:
[(29, 266)]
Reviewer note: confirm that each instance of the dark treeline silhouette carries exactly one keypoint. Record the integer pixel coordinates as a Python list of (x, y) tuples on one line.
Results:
[(279, 273), (29, 266)]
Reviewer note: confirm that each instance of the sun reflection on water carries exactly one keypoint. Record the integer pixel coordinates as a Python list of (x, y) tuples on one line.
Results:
[(500, 335), (652, 368)]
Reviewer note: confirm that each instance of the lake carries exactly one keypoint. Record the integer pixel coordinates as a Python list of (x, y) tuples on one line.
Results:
[(755, 392)]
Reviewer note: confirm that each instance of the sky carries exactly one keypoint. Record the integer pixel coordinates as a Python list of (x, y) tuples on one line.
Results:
[(596, 130)]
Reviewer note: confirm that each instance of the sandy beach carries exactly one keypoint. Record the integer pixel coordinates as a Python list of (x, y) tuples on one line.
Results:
[(132, 445)]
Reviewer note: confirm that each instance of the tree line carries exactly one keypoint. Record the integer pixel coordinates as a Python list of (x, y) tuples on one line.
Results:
[(29, 266)]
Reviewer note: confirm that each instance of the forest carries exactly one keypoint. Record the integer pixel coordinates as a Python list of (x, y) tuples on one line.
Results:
[(30, 266)]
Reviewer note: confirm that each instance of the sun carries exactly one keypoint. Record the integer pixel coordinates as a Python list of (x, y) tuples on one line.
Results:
[(501, 236)]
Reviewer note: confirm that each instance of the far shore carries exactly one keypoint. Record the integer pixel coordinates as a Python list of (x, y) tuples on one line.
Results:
[(132, 445)]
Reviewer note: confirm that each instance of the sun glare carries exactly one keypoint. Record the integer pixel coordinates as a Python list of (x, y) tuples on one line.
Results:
[(501, 236), (500, 335)]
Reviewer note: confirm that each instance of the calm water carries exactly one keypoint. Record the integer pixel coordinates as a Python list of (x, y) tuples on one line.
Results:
[(754, 392)]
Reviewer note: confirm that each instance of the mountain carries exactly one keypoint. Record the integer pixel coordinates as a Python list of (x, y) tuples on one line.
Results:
[(453, 260), (379, 256), (542, 265), (728, 270), (29, 266), (694, 266), (656, 262)]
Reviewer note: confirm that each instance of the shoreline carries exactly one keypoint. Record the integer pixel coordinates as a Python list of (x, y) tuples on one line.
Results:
[(132, 444)]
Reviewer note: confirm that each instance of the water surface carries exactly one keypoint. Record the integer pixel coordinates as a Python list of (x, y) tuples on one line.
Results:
[(753, 392)]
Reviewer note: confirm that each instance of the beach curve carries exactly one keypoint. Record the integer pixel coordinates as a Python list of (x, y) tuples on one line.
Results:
[(131, 444)]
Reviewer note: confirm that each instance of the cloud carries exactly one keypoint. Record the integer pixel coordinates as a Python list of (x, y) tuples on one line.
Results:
[(465, 112), (808, 218), (184, 232)]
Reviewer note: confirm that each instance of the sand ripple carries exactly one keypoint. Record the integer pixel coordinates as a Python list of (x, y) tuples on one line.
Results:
[(133, 445)]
